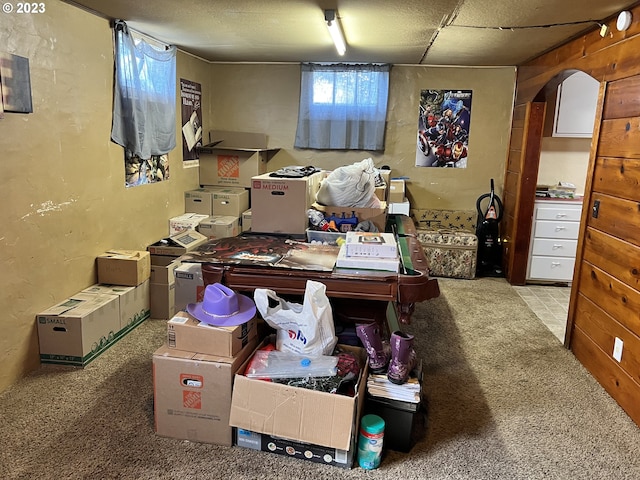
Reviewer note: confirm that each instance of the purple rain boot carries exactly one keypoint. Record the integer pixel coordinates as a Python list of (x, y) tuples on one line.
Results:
[(403, 357), (377, 349)]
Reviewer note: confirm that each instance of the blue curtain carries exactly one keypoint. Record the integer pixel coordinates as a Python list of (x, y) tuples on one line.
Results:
[(144, 106), (342, 107)]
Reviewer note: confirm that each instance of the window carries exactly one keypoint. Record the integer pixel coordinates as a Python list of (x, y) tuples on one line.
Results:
[(343, 107), (144, 107)]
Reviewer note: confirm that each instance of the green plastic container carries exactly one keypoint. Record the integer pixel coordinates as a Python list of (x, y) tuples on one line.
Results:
[(370, 442)]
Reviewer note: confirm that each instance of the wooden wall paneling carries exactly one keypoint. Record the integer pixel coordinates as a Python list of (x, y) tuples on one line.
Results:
[(618, 177), (614, 256), (603, 330), (517, 140), (620, 301), (620, 137), (521, 186), (514, 160), (623, 98), (623, 59), (616, 216), (608, 373), (510, 187), (610, 59), (586, 213), (566, 53), (618, 61), (593, 42)]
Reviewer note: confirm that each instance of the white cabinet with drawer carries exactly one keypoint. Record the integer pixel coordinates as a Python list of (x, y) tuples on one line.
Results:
[(554, 240)]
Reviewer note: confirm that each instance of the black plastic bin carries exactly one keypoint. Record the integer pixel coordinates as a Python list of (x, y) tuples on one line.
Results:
[(405, 422)]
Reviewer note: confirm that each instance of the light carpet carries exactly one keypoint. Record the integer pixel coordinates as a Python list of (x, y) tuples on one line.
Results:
[(505, 400)]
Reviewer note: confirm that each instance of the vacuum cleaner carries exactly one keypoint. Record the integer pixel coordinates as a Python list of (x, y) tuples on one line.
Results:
[(488, 232)]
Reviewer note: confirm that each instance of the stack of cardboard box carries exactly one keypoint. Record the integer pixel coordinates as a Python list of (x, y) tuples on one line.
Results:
[(193, 374), (164, 297), (221, 208), (202, 395), (226, 170), (77, 330)]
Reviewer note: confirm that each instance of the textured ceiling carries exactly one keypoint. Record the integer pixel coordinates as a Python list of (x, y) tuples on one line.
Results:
[(434, 32)]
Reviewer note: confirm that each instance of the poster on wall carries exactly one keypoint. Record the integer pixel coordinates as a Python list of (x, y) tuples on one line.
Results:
[(142, 172), (190, 96), (443, 128)]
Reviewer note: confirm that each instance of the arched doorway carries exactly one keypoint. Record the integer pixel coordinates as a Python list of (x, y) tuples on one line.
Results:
[(521, 177), (563, 147)]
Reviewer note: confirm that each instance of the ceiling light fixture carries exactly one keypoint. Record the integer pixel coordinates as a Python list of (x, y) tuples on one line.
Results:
[(624, 21), (336, 32)]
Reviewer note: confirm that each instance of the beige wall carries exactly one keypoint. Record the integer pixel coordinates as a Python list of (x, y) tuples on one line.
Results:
[(564, 160), (264, 98), (64, 178)]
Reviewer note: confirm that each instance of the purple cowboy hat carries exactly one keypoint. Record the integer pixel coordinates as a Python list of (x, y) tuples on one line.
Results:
[(222, 307)]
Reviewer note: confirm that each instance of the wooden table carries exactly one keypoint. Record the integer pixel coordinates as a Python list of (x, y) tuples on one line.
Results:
[(361, 294)]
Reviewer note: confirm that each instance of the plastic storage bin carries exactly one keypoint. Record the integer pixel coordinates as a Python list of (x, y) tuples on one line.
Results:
[(326, 238)]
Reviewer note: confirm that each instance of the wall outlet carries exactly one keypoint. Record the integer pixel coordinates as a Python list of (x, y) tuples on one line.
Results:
[(617, 349)]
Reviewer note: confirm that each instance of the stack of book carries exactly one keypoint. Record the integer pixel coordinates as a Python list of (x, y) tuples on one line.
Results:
[(369, 251), (410, 391)]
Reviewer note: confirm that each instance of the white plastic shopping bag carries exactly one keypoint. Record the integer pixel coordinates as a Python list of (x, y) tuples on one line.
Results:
[(305, 329), (350, 186)]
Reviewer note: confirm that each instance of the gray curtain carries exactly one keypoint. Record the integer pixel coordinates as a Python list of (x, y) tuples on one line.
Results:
[(144, 106), (342, 106)]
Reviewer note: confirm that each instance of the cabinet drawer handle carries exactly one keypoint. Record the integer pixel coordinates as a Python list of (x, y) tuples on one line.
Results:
[(558, 228), (556, 246), (561, 215), (555, 264)]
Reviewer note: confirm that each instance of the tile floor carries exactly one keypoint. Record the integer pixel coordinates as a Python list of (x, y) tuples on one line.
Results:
[(549, 303)]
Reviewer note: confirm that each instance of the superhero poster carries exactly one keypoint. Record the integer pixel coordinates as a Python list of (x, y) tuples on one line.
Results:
[(443, 128)]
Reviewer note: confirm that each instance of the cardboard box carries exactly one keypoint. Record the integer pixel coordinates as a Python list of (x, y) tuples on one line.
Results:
[(299, 414), (189, 284), (192, 394), (224, 139), (199, 200), (232, 167), (184, 222), (381, 192), (179, 244), (386, 175), (246, 220), (77, 330), (162, 267), (377, 215), (124, 267), (396, 191), (291, 448), (229, 201), (185, 332), (400, 208), (220, 226), (162, 298), (133, 302), (234, 159), (279, 205)]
